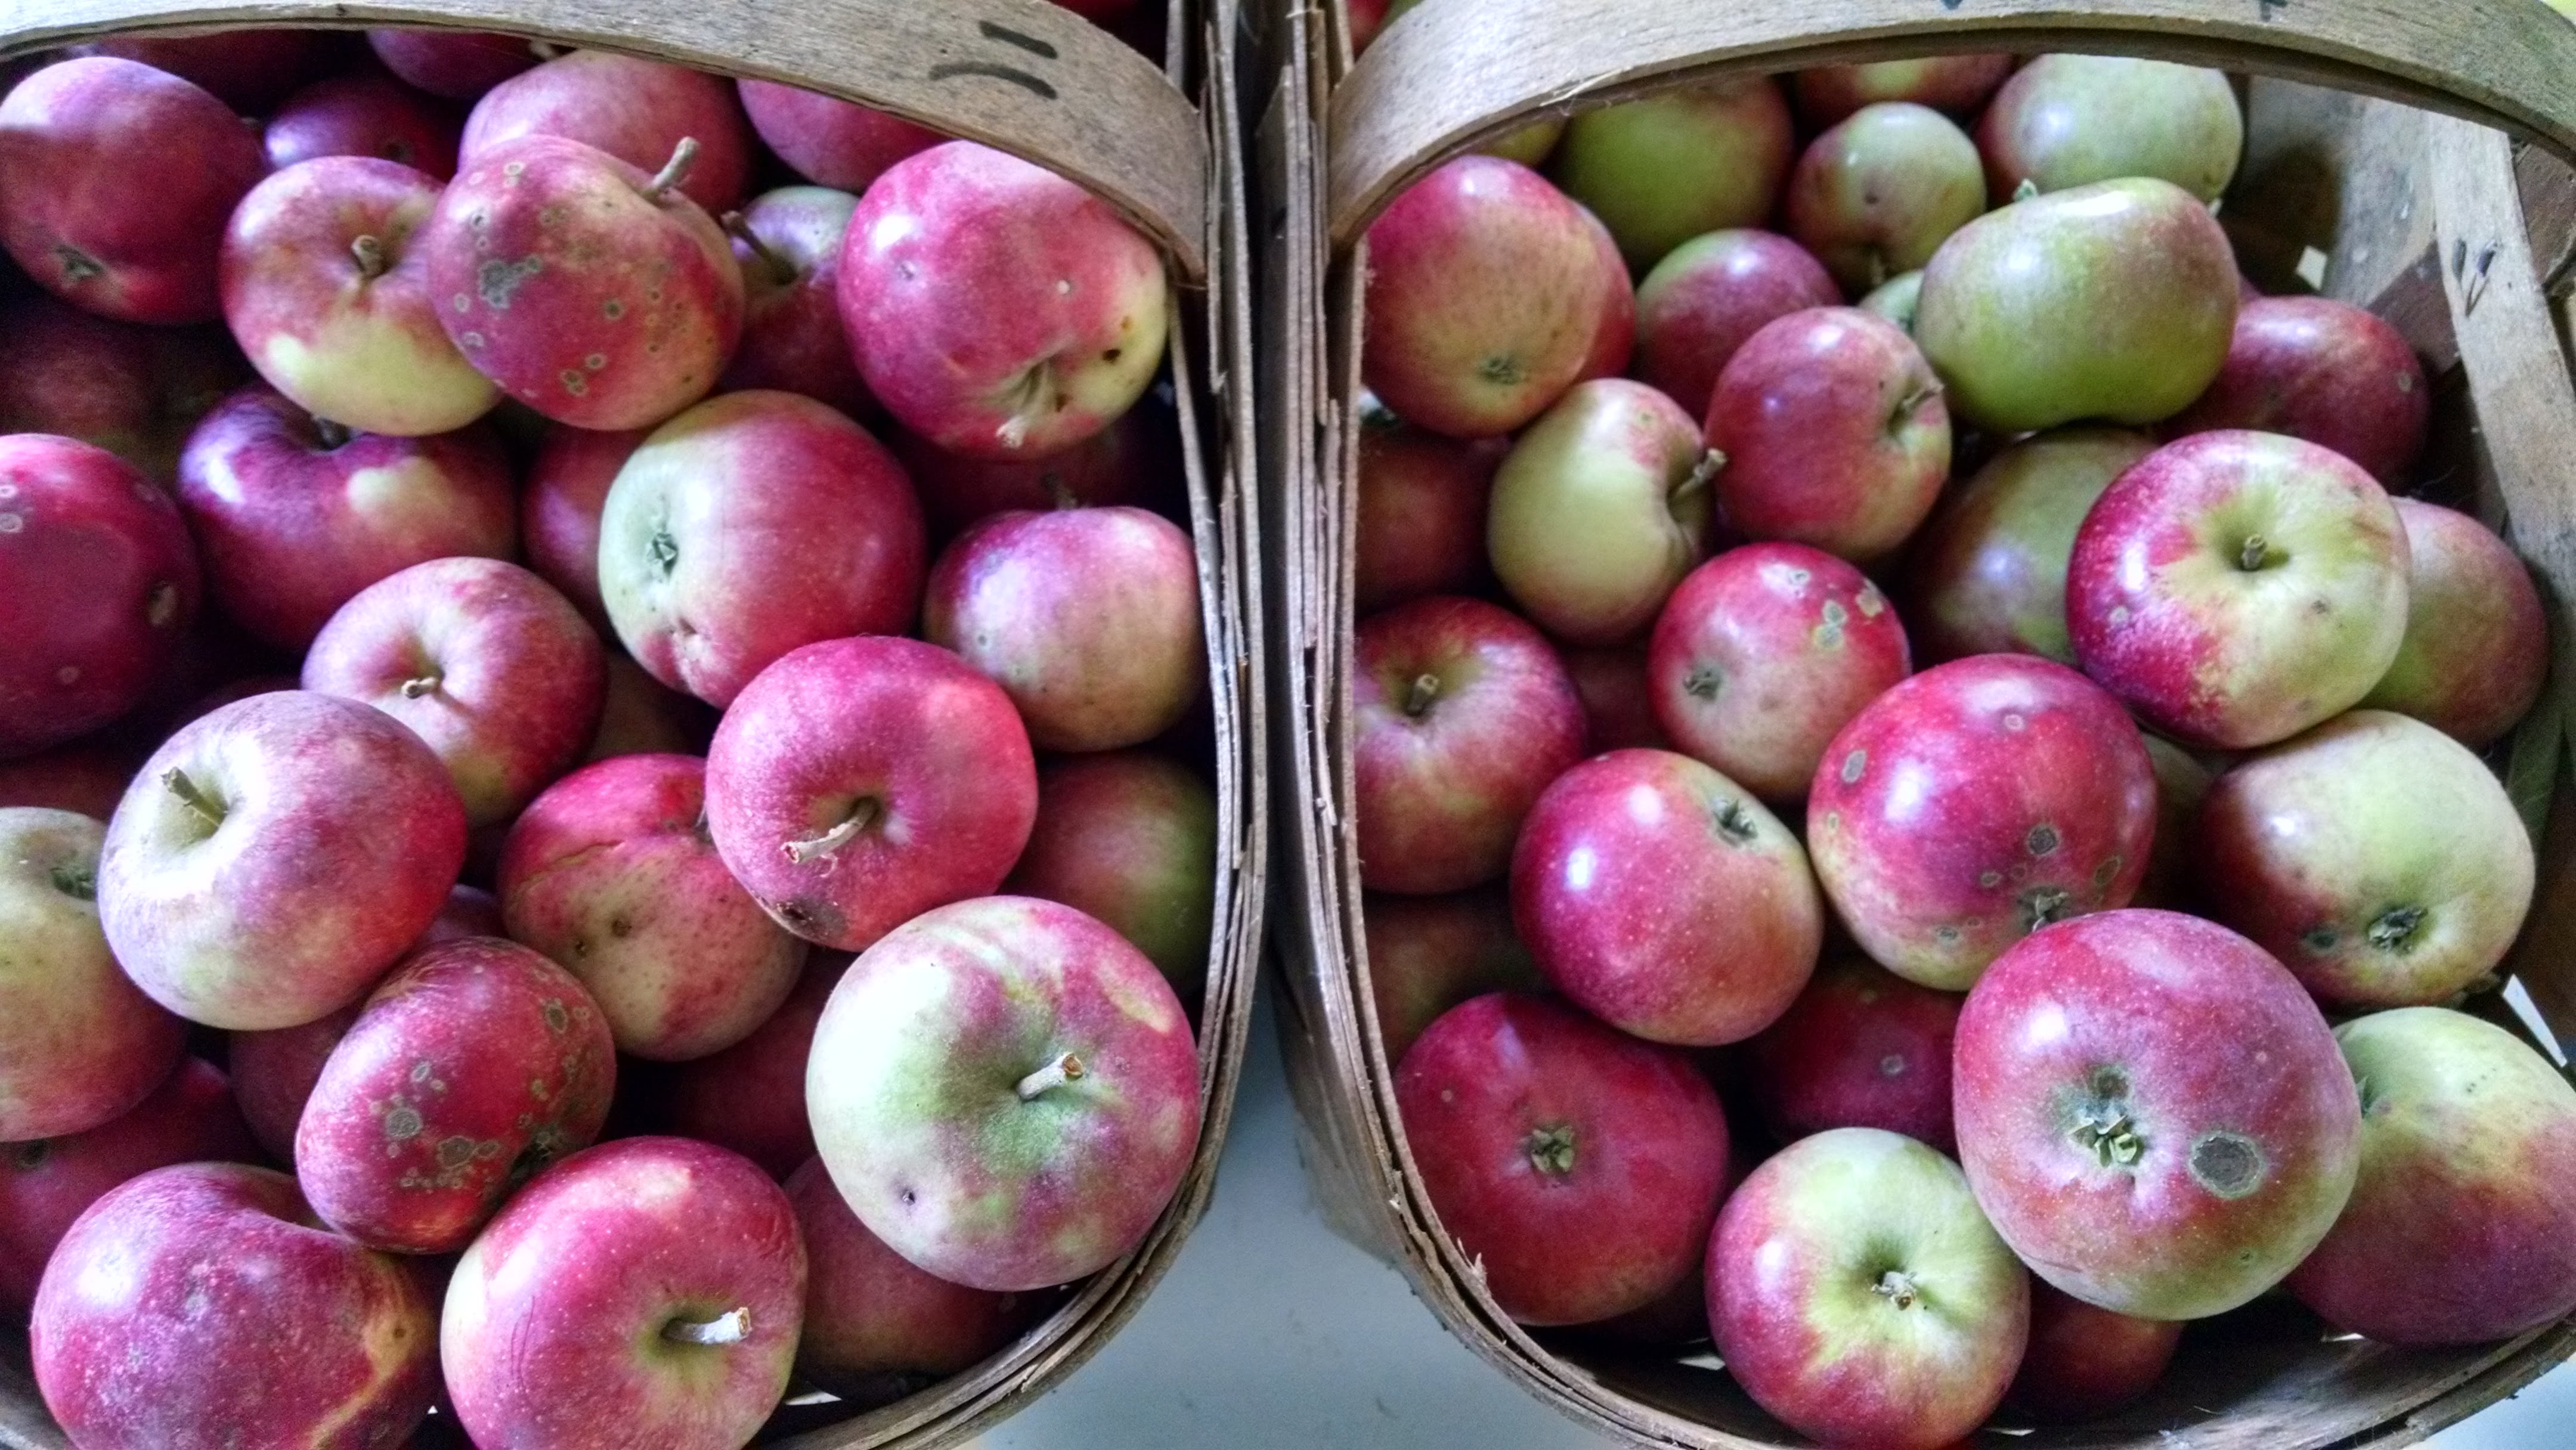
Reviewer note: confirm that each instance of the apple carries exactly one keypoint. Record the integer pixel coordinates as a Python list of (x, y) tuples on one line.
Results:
[(1487, 290), (1463, 714), (47, 1183), (556, 248), (559, 505), (2114, 1133), (275, 857), (1856, 1291), (2236, 588), (788, 243), (1671, 166), (1427, 954), (98, 588), (829, 141), (295, 516), (2182, 783), (997, 309), (634, 109), (115, 179), (1988, 574), (1134, 461), (1897, 300), (250, 71), (1418, 519), (1618, 703), (2476, 650), (1877, 195), (1859, 1048), (1129, 838), (857, 783), (2069, 120), (646, 1291), (750, 525), (170, 1313), (364, 113), (2084, 1363), (1958, 84), (639, 715), (1763, 654), (1709, 295), (1087, 618), (457, 64), (1580, 1168), (2326, 371), (1832, 432), (750, 1097), (1614, 341), (273, 1074), (83, 778), (132, 390), (2115, 301), (1005, 1092), (1973, 804), (1599, 510)]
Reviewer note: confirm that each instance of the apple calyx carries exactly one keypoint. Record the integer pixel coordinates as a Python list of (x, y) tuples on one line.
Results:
[(674, 171), (331, 435), (2395, 929), (2257, 553), (78, 266), (1505, 372), (863, 814), (199, 804), (2028, 189), (1551, 1150), (81, 884), (369, 253), (1703, 682), (1899, 1288), (1065, 1069), (1425, 691), (738, 227), (1733, 822), (731, 1327)]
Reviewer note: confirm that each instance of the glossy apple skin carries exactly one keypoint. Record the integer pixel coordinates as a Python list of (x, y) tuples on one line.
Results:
[(1441, 789), (474, 1065), (829, 141), (115, 179), (86, 779), (751, 1096), (1860, 1048), (457, 64), (641, 716), (559, 503), (788, 243), (1087, 618), (611, 874), (248, 70), (2164, 612), (2111, 1127), (748, 526), (79, 1045), (1834, 433), (1988, 572), (1487, 290), (47, 1183), (555, 1330), (1427, 954), (2476, 650), (340, 838), (2326, 371), (924, 1109), (364, 113), (1763, 654), (2085, 1363), (1419, 521), (2115, 302), (1711, 294), (1973, 804), (292, 527), (484, 661), (1604, 854), (2376, 857), (1580, 1166), (589, 297), (901, 777), (1134, 461), (996, 309), (2069, 120), (1618, 708), (634, 109), (1958, 84), (1855, 1291), (98, 587), (1676, 165), (1877, 195), (1598, 510), (1129, 838)]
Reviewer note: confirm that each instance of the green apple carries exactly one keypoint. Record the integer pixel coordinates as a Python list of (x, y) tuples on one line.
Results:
[(1662, 170)]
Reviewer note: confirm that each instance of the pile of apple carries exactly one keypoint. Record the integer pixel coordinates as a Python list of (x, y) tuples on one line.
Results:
[(355, 732), (1927, 1037)]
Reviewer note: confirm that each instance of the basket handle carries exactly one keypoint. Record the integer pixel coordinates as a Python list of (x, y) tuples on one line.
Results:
[(1463, 71), (1025, 76)]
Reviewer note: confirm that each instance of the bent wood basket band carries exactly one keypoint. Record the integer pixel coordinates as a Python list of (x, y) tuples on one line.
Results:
[(1031, 78), (2453, 215)]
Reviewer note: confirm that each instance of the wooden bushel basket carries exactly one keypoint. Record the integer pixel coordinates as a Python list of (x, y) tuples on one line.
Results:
[(1159, 144), (2423, 211)]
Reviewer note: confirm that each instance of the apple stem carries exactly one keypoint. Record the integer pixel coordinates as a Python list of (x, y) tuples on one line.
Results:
[(1899, 1288), (1063, 496), (861, 816), (544, 49), (370, 252), (2254, 553), (1426, 688), (731, 1327), (1056, 1074), (1701, 473), (333, 435), (674, 171), (738, 227), (2028, 189), (190, 796), (413, 689)]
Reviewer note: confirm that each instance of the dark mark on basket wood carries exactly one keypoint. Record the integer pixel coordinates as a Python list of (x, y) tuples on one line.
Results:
[(949, 70)]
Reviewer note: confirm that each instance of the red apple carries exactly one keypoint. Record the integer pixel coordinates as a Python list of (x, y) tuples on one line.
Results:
[(1464, 714), (364, 113), (860, 782), (1860, 1048), (559, 503), (1958, 84), (1874, 197), (248, 70), (1974, 804), (2476, 650), (133, 390), (2084, 1363), (1599, 509), (274, 858), (98, 587), (1988, 572), (1418, 522), (1763, 654), (274, 1073), (639, 715), (86, 779), (296, 516), (647, 1291), (2182, 783), (751, 525), (1134, 461), (1130, 839), (997, 309), (170, 1318), (1005, 1092), (788, 243), (1087, 618), (634, 109), (2153, 1113), (1427, 954), (829, 141), (1712, 293), (1679, 163), (2322, 370), (457, 64), (593, 292), (1618, 703), (1833, 433), (1580, 1168), (751, 1096), (115, 179), (1614, 342), (1855, 1291), (2069, 120), (2236, 588)]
